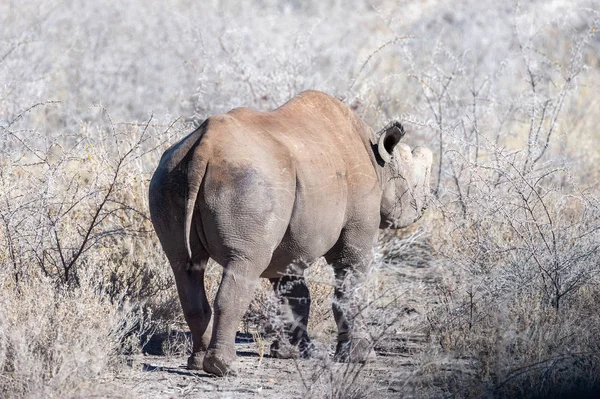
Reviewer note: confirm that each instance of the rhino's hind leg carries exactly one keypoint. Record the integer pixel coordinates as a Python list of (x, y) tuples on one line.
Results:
[(196, 309), (240, 279), (295, 309)]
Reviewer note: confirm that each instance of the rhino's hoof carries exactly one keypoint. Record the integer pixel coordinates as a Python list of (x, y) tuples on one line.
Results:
[(284, 350), (195, 361), (217, 365), (355, 350)]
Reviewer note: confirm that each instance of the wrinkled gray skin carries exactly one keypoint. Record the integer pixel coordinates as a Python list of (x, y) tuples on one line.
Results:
[(259, 191)]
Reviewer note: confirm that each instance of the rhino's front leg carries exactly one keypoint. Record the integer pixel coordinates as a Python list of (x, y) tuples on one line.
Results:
[(295, 309), (350, 266), (353, 343), (235, 293)]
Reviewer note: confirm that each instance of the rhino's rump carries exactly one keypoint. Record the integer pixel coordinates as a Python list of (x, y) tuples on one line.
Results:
[(280, 185)]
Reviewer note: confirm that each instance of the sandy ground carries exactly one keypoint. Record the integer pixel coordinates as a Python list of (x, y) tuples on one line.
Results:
[(152, 376), (396, 371)]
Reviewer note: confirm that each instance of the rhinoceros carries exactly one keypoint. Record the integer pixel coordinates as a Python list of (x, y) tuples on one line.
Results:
[(260, 191)]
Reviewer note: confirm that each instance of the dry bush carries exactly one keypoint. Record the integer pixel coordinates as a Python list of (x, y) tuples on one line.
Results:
[(59, 342), (76, 205), (518, 213), (78, 249)]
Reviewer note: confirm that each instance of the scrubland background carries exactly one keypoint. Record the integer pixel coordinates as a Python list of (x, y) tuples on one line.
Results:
[(504, 93)]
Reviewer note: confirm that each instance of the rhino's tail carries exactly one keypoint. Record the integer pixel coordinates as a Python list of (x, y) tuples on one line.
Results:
[(196, 168)]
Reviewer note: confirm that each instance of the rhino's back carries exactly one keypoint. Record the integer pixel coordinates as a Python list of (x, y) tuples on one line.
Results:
[(313, 144), (314, 131), (302, 169)]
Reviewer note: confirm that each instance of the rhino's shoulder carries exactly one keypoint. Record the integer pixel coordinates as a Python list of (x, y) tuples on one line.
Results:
[(315, 94), (314, 100), (316, 97)]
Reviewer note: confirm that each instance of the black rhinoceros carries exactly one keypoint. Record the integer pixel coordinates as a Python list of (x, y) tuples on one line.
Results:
[(259, 191)]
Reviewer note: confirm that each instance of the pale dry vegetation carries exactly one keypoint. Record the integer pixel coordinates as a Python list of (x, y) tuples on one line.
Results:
[(505, 94)]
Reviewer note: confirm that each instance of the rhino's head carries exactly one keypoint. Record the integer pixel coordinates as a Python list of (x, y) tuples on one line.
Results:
[(405, 178)]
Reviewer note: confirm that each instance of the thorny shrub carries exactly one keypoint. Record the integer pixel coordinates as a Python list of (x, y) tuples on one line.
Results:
[(518, 214)]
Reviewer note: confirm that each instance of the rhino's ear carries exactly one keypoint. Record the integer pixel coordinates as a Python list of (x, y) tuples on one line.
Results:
[(389, 137)]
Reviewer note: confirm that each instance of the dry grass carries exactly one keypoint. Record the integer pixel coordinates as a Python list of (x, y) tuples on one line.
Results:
[(60, 343)]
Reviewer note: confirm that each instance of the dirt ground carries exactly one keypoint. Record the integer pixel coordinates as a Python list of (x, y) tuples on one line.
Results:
[(152, 376), (394, 373)]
